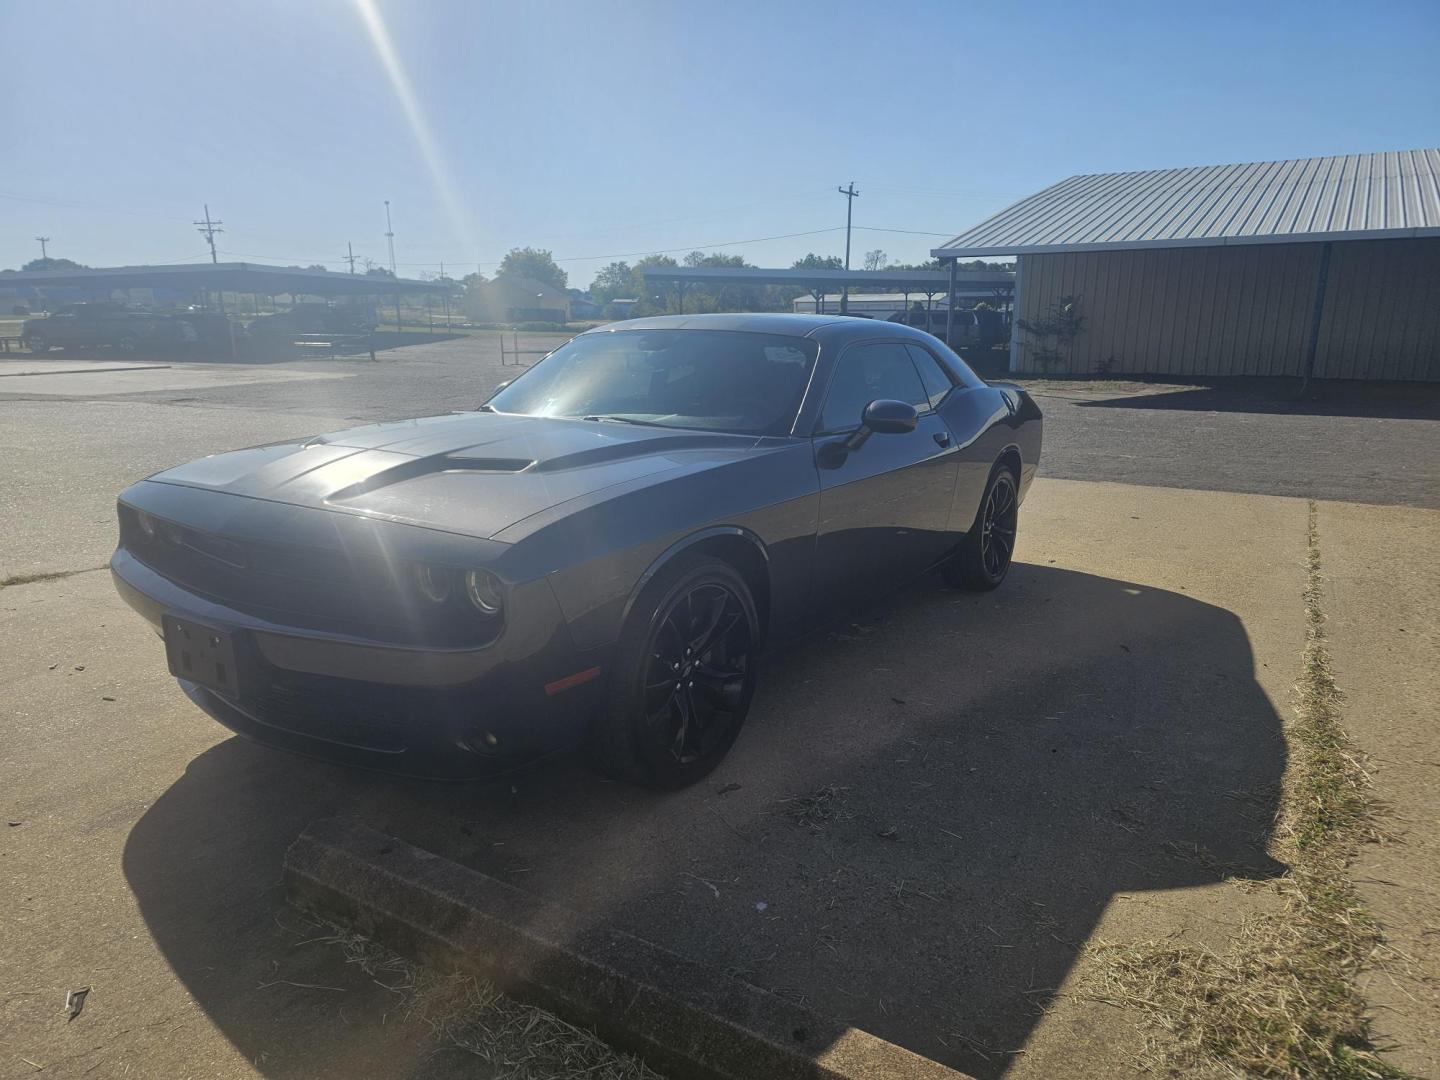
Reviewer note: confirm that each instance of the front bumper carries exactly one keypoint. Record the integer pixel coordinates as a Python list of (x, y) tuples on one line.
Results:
[(424, 711)]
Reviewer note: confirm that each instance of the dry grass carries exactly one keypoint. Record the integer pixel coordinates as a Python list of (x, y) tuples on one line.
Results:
[(1280, 1001), (515, 1041), (817, 809), (51, 575)]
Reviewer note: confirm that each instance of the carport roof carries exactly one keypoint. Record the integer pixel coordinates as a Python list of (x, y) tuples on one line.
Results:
[(237, 277), (1357, 196)]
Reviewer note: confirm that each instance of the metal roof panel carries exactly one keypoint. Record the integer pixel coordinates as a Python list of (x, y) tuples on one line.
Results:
[(1396, 193)]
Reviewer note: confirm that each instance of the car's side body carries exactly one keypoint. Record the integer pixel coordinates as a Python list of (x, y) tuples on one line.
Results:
[(298, 551)]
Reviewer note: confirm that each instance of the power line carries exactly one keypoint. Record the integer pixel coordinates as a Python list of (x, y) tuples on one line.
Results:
[(697, 247), (909, 232)]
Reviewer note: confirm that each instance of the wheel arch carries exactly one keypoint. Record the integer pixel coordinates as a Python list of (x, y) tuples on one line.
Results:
[(1011, 455), (733, 544)]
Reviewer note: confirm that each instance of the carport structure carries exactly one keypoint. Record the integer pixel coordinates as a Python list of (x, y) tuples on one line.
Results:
[(996, 284), (202, 279), (1323, 267)]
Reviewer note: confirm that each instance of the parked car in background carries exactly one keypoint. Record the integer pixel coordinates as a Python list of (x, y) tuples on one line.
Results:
[(970, 330), (313, 319), (106, 324)]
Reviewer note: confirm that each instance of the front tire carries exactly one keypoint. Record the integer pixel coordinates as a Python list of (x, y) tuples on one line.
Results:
[(683, 678), (983, 559)]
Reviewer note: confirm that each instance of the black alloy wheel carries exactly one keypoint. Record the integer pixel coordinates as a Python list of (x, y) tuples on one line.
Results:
[(683, 678), (999, 518), (698, 670), (983, 558)]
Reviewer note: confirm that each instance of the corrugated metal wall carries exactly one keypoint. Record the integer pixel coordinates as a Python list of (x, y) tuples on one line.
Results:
[(1244, 310)]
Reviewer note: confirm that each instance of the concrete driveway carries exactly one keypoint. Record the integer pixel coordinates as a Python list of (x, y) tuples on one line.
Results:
[(931, 810)]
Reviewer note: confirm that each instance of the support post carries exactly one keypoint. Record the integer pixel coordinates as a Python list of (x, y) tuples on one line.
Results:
[(950, 307), (1313, 348), (1015, 313)]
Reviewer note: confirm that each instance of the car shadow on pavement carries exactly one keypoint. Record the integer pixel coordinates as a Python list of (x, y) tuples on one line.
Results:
[(1390, 401), (927, 814)]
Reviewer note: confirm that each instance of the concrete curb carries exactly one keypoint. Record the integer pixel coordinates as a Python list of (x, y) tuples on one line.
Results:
[(682, 1019)]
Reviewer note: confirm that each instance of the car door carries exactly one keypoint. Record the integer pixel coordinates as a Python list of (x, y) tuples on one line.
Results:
[(885, 506)]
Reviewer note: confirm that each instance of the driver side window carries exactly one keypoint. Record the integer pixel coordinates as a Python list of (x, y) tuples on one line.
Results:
[(865, 373)]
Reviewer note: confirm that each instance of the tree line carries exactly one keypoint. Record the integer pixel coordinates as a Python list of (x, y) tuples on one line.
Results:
[(623, 280)]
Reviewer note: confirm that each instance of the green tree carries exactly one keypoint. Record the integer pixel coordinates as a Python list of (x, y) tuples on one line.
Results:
[(1053, 334), (376, 271), (534, 263), (876, 260), (819, 262), (317, 266), (615, 280), (647, 294), (54, 264)]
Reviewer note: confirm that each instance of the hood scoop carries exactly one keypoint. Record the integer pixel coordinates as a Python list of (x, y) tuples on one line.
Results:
[(416, 468), (622, 449)]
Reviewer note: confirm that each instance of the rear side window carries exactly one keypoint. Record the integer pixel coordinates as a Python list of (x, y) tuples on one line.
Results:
[(937, 381), (865, 373)]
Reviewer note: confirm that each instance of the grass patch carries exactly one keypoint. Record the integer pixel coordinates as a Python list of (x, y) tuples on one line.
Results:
[(519, 1042), (1280, 1001)]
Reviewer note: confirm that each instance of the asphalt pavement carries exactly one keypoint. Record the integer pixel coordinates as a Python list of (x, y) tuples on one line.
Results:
[(932, 809)]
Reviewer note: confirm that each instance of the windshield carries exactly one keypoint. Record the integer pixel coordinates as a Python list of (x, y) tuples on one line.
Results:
[(711, 380)]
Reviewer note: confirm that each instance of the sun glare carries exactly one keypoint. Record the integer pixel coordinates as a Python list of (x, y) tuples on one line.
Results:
[(384, 46)]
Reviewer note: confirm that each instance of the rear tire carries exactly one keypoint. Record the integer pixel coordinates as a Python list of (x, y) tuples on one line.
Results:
[(983, 558), (684, 674)]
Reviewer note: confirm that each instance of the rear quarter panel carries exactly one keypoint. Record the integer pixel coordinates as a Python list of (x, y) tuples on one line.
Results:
[(985, 422)]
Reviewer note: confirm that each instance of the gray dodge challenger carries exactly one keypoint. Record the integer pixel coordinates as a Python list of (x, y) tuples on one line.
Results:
[(596, 556)]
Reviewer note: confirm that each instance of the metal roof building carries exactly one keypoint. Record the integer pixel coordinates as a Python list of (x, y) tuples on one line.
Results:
[(1319, 266)]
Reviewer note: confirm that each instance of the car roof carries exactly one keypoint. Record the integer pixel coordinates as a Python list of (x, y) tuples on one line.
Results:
[(753, 322), (829, 329)]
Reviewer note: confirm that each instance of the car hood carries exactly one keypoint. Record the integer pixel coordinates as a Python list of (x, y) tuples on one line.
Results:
[(470, 473)]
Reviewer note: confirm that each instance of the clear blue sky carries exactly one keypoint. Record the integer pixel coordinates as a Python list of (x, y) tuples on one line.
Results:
[(598, 129)]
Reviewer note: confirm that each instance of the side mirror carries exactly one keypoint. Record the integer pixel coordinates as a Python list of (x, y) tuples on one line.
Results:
[(885, 417)]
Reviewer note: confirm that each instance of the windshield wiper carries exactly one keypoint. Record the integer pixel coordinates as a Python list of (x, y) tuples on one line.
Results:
[(614, 419)]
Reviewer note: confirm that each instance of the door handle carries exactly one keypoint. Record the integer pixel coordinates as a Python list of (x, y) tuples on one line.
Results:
[(942, 438)]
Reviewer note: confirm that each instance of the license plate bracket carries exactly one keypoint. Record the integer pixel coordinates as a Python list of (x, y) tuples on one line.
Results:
[(201, 654)]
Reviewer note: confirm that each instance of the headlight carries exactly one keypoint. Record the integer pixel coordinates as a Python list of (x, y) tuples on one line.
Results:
[(484, 591), (433, 582), (146, 523)]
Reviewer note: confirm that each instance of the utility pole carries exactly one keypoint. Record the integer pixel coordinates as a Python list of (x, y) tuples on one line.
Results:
[(209, 228), (43, 241), (390, 237), (350, 256), (850, 196)]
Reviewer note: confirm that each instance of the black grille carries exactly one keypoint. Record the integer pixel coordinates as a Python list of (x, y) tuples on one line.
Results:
[(373, 716)]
